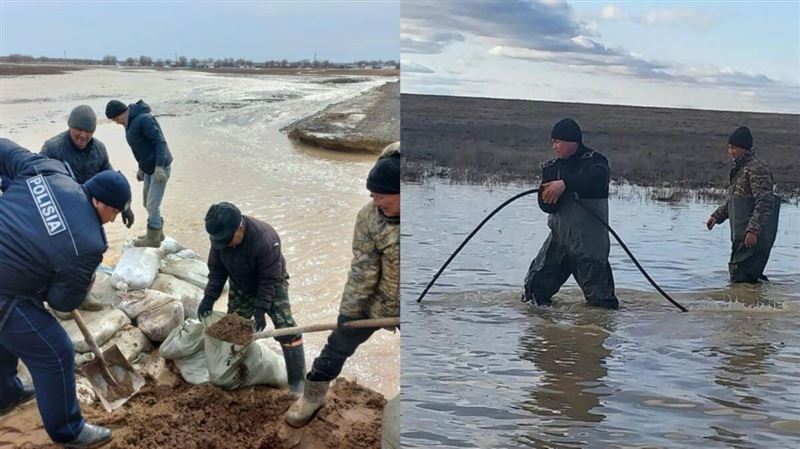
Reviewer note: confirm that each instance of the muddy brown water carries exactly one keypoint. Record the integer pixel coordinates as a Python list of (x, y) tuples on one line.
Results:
[(483, 370), (224, 134)]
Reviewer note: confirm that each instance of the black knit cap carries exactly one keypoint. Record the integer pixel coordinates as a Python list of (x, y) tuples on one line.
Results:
[(385, 176), (115, 108), (567, 130), (741, 138), (222, 221), (111, 188)]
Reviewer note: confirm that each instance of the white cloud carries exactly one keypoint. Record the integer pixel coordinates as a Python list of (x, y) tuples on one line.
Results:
[(675, 16), (611, 12)]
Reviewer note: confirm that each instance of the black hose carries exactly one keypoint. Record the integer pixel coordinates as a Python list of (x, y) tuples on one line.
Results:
[(472, 234), (528, 192), (633, 258)]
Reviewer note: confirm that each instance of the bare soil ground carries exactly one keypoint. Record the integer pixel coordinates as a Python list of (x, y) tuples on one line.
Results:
[(203, 416), (366, 123), (35, 69), (479, 139)]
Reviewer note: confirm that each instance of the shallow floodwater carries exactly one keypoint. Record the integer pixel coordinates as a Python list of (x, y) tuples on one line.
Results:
[(482, 369), (224, 135)]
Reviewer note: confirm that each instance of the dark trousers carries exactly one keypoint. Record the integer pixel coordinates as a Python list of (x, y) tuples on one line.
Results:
[(553, 266), (342, 343), (34, 336)]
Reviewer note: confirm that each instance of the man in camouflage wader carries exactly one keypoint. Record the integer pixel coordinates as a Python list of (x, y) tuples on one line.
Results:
[(578, 243), (752, 209), (373, 284), (248, 251)]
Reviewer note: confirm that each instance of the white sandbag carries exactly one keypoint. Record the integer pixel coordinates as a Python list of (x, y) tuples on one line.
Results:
[(136, 269), (136, 302), (187, 253), (130, 340), (192, 271), (170, 246), (233, 366), (184, 346), (159, 322), (103, 325), (189, 295), (102, 290), (390, 424)]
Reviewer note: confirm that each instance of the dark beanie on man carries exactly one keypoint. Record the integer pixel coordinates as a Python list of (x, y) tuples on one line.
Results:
[(82, 117), (115, 108), (741, 138), (111, 188), (384, 177), (222, 221), (567, 130)]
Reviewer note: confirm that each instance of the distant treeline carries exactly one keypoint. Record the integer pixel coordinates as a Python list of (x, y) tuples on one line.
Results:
[(183, 61)]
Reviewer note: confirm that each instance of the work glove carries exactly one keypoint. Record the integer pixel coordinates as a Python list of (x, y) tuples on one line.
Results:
[(259, 316), (139, 175), (127, 218), (205, 307), (160, 175)]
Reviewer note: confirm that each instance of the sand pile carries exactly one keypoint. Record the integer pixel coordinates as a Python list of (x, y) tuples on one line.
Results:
[(233, 329), (207, 417)]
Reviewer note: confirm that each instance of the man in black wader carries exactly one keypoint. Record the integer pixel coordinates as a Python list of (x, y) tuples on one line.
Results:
[(752, 209), (578, 243), (51, 241), (248, 251)]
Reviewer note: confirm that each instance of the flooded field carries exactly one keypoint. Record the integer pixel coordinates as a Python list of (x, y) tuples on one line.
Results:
[(224, 134), (483, 370)]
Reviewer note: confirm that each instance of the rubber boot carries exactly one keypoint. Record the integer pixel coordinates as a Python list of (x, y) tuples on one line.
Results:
[(150, 240), (90, 437), (295, 359), (304, 409), (162, 229), (28, 393), (91, 304)]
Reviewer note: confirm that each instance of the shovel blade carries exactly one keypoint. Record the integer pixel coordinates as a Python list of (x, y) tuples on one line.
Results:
[(127, 380)]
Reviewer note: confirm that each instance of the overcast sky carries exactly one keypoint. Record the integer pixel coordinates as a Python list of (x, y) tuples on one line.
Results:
[(711, 55), (337, 31)]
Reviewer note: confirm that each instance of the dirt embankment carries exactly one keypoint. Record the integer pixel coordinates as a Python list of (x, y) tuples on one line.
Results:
[(35, 69), (476, 139), (366, 123), (207, 417)]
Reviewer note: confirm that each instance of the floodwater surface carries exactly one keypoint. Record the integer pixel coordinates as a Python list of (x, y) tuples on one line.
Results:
[(482, 369)]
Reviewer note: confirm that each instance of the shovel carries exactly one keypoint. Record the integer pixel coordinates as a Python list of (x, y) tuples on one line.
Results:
[(112, 376)]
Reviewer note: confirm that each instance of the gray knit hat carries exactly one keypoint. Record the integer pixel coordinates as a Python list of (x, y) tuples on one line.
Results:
[(82, 117)]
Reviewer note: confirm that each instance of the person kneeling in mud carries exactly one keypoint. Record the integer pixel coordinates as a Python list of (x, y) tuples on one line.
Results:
[(578, 243), (248, 251), (373, 284), (752, 209)]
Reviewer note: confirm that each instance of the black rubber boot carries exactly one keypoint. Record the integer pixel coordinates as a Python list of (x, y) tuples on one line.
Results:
[(295, 359), (28, 393)]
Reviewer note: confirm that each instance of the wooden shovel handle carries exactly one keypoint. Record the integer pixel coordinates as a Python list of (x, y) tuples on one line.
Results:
[(355, 324), (87, 336)]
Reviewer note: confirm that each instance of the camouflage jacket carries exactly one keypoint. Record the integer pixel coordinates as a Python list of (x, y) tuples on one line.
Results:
[(373, 284), (749, 178)]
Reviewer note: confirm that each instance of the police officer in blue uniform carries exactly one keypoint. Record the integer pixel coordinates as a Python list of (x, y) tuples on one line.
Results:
[(51, 241), (574, 193)]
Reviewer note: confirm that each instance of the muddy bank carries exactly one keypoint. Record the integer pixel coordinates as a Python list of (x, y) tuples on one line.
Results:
[(35, 69), (366, 123), (207, 417), (479, 139)]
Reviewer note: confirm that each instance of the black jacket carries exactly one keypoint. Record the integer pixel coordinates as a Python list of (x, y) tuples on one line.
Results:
[(84, 163), (146, 139), (255, 266), (586, 173)]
